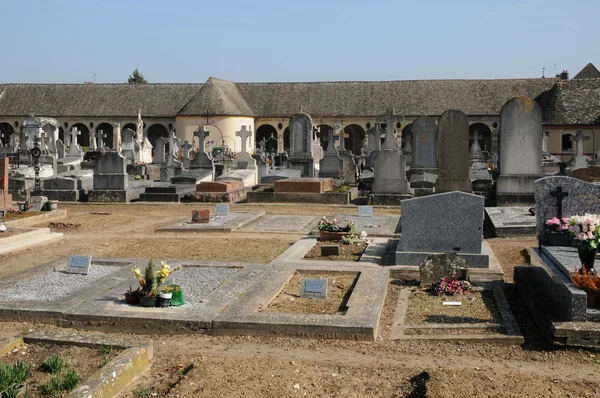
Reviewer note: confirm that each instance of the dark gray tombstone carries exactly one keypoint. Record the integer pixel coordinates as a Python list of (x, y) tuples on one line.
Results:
[(301, 145), (453, 149), (521, 139), (202, 160), (158, 156), (441, 223), (562, 197), (128, 147), (424, 145), (111, 172)]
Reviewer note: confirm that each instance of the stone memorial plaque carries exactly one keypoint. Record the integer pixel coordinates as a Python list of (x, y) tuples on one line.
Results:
[(330, 250), (314, 288), (79, 265), (365, 211), (222, 210)]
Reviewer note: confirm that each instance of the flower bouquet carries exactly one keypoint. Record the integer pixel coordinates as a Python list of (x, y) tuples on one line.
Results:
[(151, 282), (586, 235)]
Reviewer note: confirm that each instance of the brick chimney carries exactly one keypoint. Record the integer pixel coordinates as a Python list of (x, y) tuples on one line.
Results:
[(564, 75)]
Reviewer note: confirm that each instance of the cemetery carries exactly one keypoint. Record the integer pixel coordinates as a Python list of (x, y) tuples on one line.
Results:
[(437, 234)]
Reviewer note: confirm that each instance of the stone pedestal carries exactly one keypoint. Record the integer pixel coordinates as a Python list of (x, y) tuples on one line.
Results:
[(515, 189)]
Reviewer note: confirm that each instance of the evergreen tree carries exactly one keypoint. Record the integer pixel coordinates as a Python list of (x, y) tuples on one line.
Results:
[(136, 78)]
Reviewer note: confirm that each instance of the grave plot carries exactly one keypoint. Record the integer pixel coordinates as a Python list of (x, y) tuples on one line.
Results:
[(17, 238), (503, 222), (308, 251), (208, 288), (351, 311), (481, 314), (290, 224), (315, 293), (54, 364), (28, 218), (225, 222), (374, 226)]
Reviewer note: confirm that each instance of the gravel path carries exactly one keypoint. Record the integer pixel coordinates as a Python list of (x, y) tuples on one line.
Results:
[(55, 285), (198, 282)]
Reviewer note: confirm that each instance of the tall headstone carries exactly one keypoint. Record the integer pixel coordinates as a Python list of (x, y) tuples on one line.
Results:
[(128, 145), (390, 185), (173, 166), (332, 164), (301, 144), (202, 160), (423, 170), (453, 149), (520, 151), (187, 148), (374, 142), (74, 148), (579, 161), (93, 145), (243, 156), (117, 139), (349, 171), (158, 157), (60, 149)]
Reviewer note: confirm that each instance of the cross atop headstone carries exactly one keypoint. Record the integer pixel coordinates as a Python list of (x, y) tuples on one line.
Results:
[(74, 134), (390, 119), (187, 148), (101, 137), (201, 134), (339, 132), (93, 144), (579, 139), (476, 136), (330, 140), (244, 135), (560, 195)]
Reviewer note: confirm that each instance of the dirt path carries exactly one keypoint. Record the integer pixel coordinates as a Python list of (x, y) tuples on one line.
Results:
[(212, 366)]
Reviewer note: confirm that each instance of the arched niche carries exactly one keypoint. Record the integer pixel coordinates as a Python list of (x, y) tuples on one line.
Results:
[(353, 138), (155, 132), (6, 130), (265, 131), (484, 131), (107, 130), (322, 132), (84, 138)]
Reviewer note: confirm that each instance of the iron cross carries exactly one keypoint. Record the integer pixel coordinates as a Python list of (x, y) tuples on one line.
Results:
[(560, 195)]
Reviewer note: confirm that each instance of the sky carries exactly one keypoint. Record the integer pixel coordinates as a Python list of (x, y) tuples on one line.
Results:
[(180, 41)]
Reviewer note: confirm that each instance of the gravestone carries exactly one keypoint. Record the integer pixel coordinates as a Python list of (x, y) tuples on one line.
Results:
[(438, 266), (187, 148), (332, 164), (390, 185), (172, 166), (222, 210), (374, 144), (313, 288), (579, 160), (158, 157), (453, 148), (301, 145), (244, 160), (521, 138), (442, 223), (60, 149), (37, 203), (128, 146), (478, 168), (74, 148), (563, 196), (200, 216), (78, 265), (111, 181), (93, 144), (424, 145), (349, 172)]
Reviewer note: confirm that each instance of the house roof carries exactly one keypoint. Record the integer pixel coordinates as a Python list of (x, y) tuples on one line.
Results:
[(54, 100), (573, 102), (217, 97), (588, 72), (409, 97)]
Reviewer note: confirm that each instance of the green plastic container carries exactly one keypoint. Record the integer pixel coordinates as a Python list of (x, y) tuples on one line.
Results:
[(177, 299)]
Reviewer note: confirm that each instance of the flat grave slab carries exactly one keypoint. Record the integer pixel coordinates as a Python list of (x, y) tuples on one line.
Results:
[(502, 222), (228, 223), (499, 326), (275, 223), (375, 226)]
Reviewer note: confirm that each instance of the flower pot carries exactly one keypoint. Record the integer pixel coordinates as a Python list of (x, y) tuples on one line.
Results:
[(592, 299), (148, 301), (555, 238), (52, 205), (177, 299), (132, 299), (331, 236), (166, 295), (587, 256)]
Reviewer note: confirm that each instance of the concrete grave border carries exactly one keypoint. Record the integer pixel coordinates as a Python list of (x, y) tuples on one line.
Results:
[(112, 378), (508, 322), (27, 239), (359, 323), (392, 220), (44, 216), (304, 230), (228, 226)]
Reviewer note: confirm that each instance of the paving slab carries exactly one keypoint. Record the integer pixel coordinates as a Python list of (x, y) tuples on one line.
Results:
[(374, 226), (229, 223), (360, 322), (282, 224), (502, 222)]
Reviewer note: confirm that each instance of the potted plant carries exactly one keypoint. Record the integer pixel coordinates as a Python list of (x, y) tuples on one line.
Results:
[(586, 234), (557, 232), (132, 297), (165, 296), (150, 283), (331, 230), (589, 283), (177, 298)]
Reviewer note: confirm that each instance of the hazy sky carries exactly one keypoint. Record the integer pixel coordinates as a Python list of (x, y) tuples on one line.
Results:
[(60, 41)]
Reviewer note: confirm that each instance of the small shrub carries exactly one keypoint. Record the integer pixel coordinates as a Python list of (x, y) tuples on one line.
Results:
[(11, 375), (12, 391), (53, 364), (64, 381), (70, 378)]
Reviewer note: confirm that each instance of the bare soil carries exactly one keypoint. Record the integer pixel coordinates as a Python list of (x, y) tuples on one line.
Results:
[(245, 366), (84, 361), (476, 307), (339, 289), (351, 252)]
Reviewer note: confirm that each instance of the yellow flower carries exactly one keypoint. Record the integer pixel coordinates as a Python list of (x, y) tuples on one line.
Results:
[(136, 272)]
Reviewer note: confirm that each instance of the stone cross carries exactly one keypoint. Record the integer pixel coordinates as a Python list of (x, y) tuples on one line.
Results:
[(244, 135), (74, 134), (117, 140), (579, 139), (187, 148), (101, 137), (330, 140), (339, 132), (560, 195), (93, 144), (67, 138), (390, 119), (201, 134)]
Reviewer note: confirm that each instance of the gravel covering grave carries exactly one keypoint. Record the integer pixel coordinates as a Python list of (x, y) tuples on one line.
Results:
[(54, 285), (198, 282)]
